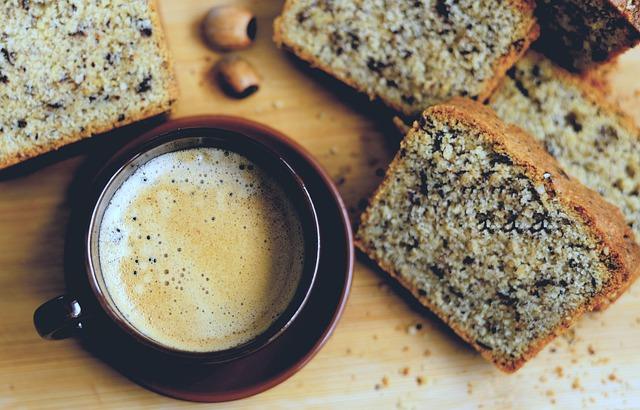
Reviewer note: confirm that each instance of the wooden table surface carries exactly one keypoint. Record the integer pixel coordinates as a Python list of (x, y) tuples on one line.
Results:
[(373, 360)]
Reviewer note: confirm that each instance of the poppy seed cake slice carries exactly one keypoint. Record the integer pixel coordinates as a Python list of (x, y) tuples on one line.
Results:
[(485, 229), (410, 54), (70, 69), (579, 34), (591, 139)]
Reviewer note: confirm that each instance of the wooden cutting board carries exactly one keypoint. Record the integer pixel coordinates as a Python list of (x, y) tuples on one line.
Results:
[(376, 358)]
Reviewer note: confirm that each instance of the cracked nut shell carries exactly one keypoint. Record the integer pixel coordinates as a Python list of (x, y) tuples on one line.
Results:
[(237, 76), (229, 27)]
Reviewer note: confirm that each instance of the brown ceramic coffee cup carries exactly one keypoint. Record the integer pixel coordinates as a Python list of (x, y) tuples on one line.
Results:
[(66, 315)]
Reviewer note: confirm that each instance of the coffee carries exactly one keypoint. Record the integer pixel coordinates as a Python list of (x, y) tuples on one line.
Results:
[(200, 249)]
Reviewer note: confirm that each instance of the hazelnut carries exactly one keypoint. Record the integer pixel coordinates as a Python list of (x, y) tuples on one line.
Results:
[(237, 76), (229, 27)]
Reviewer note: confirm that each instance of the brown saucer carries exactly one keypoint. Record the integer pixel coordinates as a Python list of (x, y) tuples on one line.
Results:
[(293, 349)]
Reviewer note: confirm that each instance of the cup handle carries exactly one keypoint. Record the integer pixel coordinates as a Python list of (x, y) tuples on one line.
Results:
[(58, 318)]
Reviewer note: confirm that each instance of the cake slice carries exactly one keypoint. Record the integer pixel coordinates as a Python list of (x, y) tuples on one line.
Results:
[(410, 54), (591, 139), (579, 34), (71, 69), (486, 230)]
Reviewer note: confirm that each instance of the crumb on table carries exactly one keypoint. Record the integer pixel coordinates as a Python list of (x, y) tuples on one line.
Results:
[(413, 329), (576, 384), (559, 371)]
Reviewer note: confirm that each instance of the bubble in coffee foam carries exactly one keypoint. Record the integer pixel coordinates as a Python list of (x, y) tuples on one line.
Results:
[(200, 249)]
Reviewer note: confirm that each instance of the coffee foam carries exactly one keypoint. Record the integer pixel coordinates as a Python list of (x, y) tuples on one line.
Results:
[(200, 249)]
